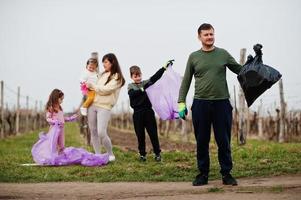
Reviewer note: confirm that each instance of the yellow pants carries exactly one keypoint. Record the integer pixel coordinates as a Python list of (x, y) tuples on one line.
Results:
[(90, 98)]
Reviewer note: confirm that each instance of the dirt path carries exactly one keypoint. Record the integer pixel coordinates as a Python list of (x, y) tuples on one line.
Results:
[(127, 140), (282, 187)]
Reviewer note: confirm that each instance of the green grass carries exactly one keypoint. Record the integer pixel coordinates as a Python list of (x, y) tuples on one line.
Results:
[(215, 190), (277, 189), (256, 158)]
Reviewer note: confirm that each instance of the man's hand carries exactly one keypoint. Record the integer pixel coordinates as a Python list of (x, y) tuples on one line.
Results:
[(182, 110), (257, 48), (170, 62)]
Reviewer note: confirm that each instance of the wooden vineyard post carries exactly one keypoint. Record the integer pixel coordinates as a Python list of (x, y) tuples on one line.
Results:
[(282, 113), (2, 110), (27, 114), (242, 125), (18, 113), (260, 118)]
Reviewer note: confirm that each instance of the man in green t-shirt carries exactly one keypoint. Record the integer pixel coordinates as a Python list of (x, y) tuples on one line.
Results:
[(211, 104)]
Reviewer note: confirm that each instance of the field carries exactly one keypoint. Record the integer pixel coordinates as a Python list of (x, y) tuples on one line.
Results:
[(255, 159)]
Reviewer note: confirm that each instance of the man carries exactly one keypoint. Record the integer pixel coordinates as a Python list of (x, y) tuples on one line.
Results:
[(211, 103)]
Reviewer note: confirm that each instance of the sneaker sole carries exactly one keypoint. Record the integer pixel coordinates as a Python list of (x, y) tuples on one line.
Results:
[(199, 184), (235, 184)]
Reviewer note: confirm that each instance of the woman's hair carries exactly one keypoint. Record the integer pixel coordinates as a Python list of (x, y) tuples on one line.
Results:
[(92, 60), (115, 69), (53, 101)]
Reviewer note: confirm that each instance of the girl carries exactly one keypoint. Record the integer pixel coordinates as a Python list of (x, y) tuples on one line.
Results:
[(50, 148), (107, 91), (55, 115)]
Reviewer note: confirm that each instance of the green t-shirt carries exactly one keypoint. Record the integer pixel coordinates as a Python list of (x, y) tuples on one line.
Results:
[(209, 71)]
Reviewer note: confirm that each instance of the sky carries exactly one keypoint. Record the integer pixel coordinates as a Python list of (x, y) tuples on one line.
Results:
[(44, 44)]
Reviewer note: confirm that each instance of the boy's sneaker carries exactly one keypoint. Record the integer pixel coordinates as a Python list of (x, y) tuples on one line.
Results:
[(83, 111), (142, 158), (158, 158), (112, 158), (229, 180), (200, 179)]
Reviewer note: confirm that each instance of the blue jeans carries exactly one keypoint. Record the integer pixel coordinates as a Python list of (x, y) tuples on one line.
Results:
[(219, 114)]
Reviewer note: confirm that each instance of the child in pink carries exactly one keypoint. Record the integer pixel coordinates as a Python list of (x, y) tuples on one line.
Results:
[(50, 148), (55, 115)]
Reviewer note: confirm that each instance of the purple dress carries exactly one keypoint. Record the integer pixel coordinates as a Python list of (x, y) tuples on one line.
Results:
[(50, 150)]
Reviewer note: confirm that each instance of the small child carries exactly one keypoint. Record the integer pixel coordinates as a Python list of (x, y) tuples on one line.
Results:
[(90, 76), (55, 115), (144, 116)]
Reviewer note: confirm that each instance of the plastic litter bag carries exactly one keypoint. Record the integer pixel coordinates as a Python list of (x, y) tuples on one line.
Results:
[(164, 94), (44, 152), (255, 77)]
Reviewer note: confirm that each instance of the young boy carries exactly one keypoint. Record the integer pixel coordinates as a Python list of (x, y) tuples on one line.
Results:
[(144, 116)]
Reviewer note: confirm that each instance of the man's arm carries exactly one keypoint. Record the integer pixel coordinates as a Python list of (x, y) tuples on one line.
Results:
[(186, 81), (233, 65)]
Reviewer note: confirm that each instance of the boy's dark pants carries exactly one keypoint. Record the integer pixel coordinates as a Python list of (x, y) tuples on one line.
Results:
[(219, 114), (145, 119)]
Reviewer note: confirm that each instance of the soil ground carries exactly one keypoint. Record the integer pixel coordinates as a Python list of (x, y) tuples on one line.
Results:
[(272, 188)]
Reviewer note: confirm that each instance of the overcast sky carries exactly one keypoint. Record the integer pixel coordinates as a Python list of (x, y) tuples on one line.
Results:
[(44, 44)]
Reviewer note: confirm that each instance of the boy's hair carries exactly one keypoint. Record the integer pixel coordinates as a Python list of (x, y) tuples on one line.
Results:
[(204, 26), (135, 70)]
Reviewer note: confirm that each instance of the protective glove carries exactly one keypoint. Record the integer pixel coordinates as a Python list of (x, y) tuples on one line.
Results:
[(170, 62), (182, 110)]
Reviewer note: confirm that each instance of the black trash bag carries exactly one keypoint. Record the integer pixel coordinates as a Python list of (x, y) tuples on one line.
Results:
[(255, 77)]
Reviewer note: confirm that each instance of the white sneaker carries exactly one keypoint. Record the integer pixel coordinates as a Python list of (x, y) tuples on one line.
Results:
[(83, 111), (112, 158)]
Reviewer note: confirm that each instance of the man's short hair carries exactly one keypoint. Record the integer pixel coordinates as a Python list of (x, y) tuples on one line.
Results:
[(204, 26), (135, 70)]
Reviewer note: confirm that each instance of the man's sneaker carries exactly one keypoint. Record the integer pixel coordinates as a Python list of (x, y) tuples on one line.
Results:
[(158, 158), (200, 179), (112, 158), (83, 111), (229, 180), (142, 158)]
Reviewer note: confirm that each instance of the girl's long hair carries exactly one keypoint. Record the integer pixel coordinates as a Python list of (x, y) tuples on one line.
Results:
[(115, 69), (53, 101)]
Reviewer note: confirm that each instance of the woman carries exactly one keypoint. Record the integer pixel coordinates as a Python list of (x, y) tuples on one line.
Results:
[(107, 91)]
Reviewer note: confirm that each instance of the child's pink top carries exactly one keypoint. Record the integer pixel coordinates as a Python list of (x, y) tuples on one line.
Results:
[(53, 117)]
